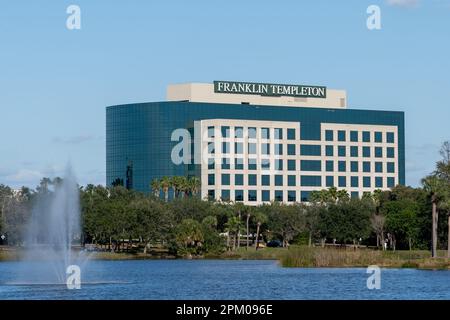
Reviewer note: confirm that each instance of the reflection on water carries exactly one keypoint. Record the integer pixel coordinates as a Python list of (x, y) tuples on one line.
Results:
[(219, 279)]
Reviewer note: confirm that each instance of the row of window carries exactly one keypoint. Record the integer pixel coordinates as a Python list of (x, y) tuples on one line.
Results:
[(279, 195), (330, 135), (305, 181), (305, 150), (306, 165)]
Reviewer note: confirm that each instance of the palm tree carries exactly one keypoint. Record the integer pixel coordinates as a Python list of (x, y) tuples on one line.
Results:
[(446, 206), (184, 186), (342, 195), (249, 212), (332, 192), (194, 185), (378, 220), (156, 187), (176, 183), (240, 208), (166, 183), (432, 185), (260, 219), (231, 226)]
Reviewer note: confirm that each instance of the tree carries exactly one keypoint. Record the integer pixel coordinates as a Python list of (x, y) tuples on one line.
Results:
[(401, 220), (260, 218), (156, 187), (166, 183), (433, 186), (189, 236), (285, 221), (194, 185)]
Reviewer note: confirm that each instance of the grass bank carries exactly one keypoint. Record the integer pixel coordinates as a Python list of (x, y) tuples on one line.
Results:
[(332, 257)]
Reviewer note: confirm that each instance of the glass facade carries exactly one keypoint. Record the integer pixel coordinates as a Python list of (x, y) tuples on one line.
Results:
[(141, 134)]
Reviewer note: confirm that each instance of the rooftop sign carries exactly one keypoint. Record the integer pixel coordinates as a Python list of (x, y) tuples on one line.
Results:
[(270, 89)]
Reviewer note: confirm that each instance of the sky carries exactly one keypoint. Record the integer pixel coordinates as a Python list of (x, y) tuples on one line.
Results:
[(55, 83)]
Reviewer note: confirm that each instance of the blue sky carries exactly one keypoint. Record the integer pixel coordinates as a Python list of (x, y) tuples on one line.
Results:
[(55, 82)]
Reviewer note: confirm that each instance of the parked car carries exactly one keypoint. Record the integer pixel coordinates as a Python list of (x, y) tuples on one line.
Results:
[(274, 244)]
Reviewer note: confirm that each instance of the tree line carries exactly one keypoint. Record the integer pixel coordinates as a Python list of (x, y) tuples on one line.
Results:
[(117, 219)]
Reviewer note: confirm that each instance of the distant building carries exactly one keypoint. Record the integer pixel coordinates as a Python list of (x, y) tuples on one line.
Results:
[(258, 142)]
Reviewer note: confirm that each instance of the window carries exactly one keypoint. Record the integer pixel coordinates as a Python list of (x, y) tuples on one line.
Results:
[(390, 152), (390, 182), (278, 195), (252, 179), (354, 183), (390, 167), (366, 182), (211, 195), (328, 135), (291, 165), (251, 164), (390, 137), (291, 149), (210, 132), (211, 163), (265, 195), (378, 136), (238, 148), (225, 131), (225, 179), (265, 133), (225, 147), (239, 164), (265, 148), (278, 133), (329, 151), (342, 181), (265, 164), (378, 166), (239, 179), (252, 148), (310, 165), (366, 166), (265, 180), (354, 194), (291, 134), (378, 182), (239, 195), (366, 136), (353, 151), (378, 152), (211, 148), (278, 180), (329, 165), (291, 181), (252, 133), (311, 181), (341, 135), (310, 150), (226, 163), (238, 132), (354, 166), (211, 180), (251, 195), (342, 166), (329, 181), (278, 149), (304, 196), (341, 151), (225, 195), (366, 152), (291, 196), (279, 164), (354, 136)]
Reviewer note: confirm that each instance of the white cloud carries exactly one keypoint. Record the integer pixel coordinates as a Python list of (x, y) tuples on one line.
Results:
[(403, 3), (75, 139)]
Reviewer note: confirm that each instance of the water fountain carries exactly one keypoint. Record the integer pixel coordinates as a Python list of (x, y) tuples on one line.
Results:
[(53, 231)]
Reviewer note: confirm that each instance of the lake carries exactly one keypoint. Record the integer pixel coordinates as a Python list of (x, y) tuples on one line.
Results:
[(227, 279)]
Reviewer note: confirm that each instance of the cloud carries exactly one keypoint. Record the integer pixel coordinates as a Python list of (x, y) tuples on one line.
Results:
[(403, 3), (23, 177), (74, 140)]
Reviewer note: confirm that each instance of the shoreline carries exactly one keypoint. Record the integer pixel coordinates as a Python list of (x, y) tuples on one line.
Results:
[(296, 257)]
